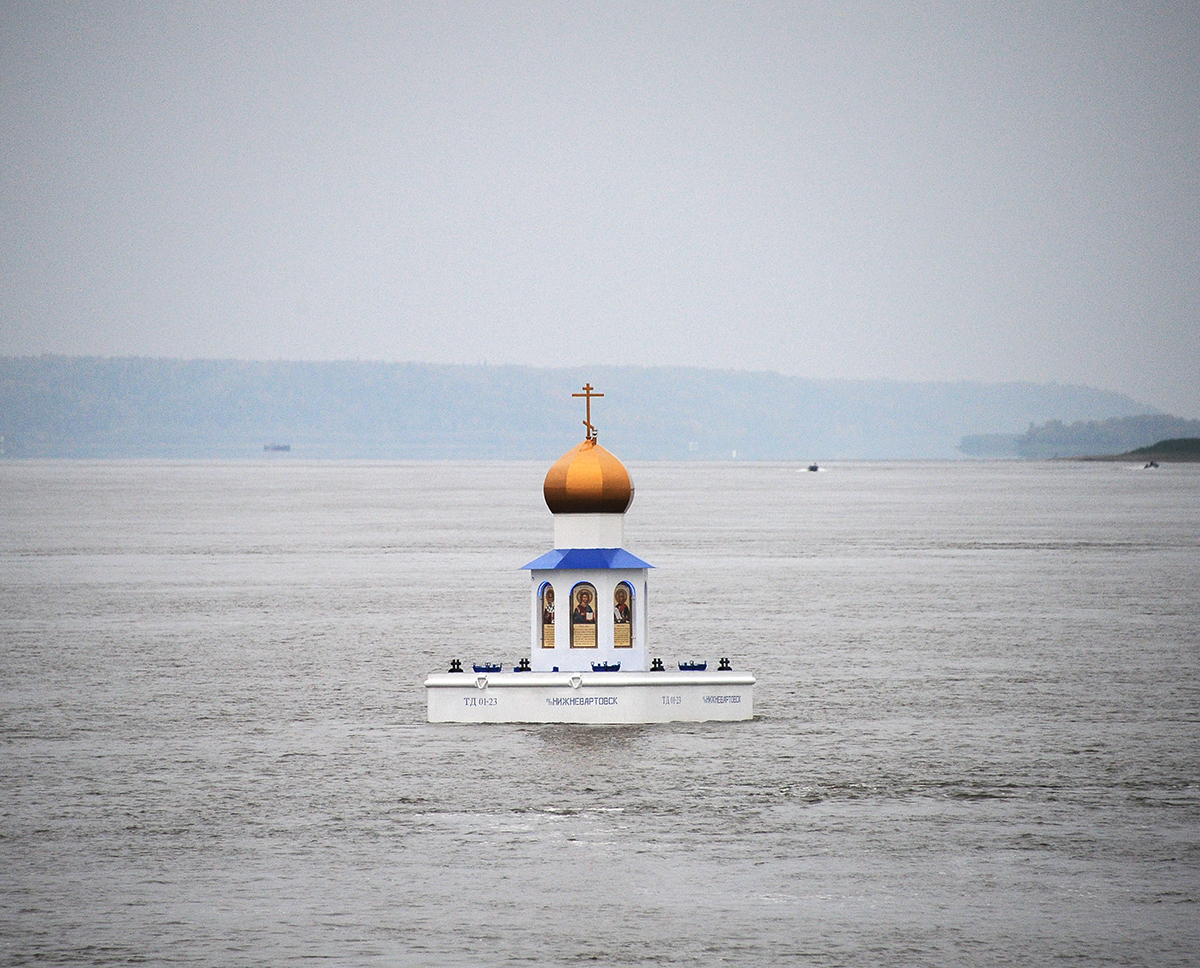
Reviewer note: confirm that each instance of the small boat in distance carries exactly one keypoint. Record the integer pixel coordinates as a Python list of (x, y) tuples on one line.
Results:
[(813, 467), (487, 667), (693, 666), (606, 667)]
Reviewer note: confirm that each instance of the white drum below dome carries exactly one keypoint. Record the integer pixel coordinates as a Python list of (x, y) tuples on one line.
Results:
[(589, 531)]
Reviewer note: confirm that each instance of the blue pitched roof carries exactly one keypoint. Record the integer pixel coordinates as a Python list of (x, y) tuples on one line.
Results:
[(587, 558)]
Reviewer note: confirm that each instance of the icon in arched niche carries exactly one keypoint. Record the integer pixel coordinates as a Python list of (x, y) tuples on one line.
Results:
[(623, 616), (546, 604), (583, 616)]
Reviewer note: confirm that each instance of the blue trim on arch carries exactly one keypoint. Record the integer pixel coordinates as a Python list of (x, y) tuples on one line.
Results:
[(585, 558)]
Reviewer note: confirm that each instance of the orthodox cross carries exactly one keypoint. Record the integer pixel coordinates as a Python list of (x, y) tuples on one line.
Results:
[(588, 392)]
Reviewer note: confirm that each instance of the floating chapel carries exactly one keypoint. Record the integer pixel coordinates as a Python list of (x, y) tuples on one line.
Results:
[(602, 586), (588, 659)]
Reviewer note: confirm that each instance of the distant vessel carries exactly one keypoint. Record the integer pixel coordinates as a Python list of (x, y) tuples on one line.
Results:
[(588, 657), (813, 467), (278, 447)]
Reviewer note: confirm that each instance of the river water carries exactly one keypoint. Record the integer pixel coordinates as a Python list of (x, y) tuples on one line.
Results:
[(976, 742)]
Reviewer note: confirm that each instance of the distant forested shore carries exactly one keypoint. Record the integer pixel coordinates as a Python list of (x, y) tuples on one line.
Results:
[(1175, 450), (93, 407), (1116, 436)]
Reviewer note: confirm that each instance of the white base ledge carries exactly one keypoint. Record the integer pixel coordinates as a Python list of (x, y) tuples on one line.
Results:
[(589, 697)]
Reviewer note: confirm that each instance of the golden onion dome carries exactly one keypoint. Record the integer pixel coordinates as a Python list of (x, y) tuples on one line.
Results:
[(587, 479)]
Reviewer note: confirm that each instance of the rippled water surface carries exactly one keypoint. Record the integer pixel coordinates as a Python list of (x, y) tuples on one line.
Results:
[(977, 737)]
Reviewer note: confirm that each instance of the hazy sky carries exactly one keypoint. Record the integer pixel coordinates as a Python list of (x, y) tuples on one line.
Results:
[(991, 191)]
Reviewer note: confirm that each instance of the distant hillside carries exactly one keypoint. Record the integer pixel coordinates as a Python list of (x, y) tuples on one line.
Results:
[(1179, 448), (1118, 435), (54, 406)]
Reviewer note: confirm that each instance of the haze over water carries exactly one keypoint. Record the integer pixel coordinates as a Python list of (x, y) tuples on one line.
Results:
[(977, 737)]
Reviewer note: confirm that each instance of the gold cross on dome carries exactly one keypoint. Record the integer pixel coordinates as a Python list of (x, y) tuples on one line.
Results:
[(589, 392)]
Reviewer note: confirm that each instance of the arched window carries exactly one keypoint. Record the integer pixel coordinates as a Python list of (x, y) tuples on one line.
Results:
[(623, 616), (546, 607), (583, 616)]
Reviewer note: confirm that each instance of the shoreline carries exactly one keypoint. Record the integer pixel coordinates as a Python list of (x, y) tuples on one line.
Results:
[(1140, 458)]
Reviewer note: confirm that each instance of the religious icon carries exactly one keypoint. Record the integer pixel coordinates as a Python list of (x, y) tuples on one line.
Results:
[(583, 607), (621, 610), (583, 616), (547, 605), (623, 616)]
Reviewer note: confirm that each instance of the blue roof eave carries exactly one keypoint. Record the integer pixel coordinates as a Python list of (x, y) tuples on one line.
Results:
[(586, 558)]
